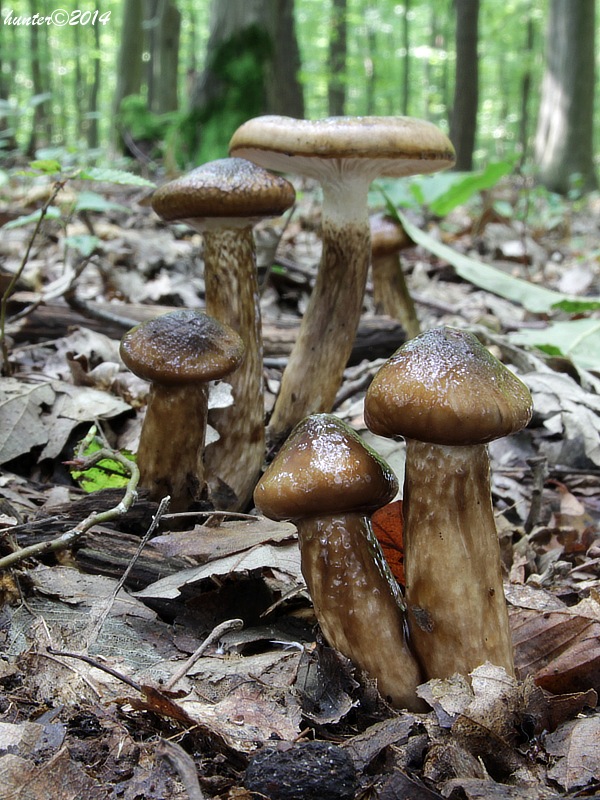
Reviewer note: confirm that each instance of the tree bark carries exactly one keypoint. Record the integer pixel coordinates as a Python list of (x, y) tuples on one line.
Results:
[(338, 48), (564, 138), (466, 89), (165, 30), (526, 89), (251, 67), (129, 61)]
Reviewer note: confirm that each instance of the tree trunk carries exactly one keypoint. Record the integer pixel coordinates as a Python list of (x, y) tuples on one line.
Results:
[(406, 58), (564, 138), (129, 62), (252, 60), (284, 93), (165, 27), (466, 89), (526, 89), (338, 49), (92, 120)]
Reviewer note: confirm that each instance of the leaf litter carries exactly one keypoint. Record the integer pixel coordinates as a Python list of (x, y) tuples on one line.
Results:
[(86, 664)]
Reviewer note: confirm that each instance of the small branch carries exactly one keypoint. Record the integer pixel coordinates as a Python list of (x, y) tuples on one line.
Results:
[(67, 539), (184, 765), (214, 635), (538, 472), (16, 277), (164, 504)]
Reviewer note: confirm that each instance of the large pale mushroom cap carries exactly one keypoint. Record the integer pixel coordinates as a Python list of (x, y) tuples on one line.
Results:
[(324, 468), (228, 187), (445, 387), (392, 146), (183, 346)]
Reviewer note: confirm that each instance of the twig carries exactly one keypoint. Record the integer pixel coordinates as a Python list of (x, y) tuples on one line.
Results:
[(16, 277), (216, 633), (538, 471), (164, 504), (71, 536), (183, 764)]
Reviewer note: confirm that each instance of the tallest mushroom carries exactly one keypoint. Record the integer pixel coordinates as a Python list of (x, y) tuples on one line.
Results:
[(345, 154)]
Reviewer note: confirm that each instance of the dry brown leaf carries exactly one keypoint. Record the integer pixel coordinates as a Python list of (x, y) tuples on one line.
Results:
[(576, 744), (560, 649), (249, 716)]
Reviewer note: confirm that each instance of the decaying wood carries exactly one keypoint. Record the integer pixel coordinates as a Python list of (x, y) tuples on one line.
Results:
[(377, 337)]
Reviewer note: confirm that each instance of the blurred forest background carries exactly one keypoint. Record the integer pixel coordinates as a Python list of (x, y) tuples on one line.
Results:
[(168, 81)]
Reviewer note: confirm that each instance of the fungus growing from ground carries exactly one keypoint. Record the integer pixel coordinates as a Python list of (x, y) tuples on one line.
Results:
[(327, 481), (448, 396), (179, 353), (223, 200), (345, 154), (390, 292)]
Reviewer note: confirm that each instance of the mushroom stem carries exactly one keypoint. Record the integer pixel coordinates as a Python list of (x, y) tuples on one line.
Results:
[(457, 613), (173, 465), (232, 294), (358, 603), (316, 365)]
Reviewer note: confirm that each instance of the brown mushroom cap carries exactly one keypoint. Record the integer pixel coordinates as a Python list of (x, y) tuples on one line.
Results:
[(445, 387), (183, 346), (387, 236), (395, 146), (324, 468), (228, 187)]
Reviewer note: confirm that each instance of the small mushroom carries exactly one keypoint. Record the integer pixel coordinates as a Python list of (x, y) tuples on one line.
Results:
[(345, 154), (390, 292), (179, 353), (327, 481), (223, 200), (448, 396)]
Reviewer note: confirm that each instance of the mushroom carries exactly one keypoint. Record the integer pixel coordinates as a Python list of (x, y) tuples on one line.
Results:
[(327, 481), (223, 200), (390, 292), (345, 154), (448, 396), (179, 353)]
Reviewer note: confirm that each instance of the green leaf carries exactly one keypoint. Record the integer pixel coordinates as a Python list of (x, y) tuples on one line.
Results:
[(49, 166), (117, 176), (92, 201), (51, 213), (106, 474), (537, 299), (467, 184), (85, 244), (578, 340)]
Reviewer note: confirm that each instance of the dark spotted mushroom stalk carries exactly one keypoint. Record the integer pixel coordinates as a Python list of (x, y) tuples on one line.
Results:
[(328, 482), (448, 396), (223, 200), (345, 154)]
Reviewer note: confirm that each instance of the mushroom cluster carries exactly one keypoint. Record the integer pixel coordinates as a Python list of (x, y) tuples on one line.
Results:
[(223, 200), (448, 396)]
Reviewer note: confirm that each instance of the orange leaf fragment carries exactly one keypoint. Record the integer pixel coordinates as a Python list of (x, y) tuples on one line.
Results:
[(387, 525)]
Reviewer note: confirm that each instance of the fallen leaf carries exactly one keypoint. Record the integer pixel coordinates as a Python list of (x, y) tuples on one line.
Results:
[(576, 744), (281, 560), (249, 716), (21, 424), (560, 649), (388, 528)]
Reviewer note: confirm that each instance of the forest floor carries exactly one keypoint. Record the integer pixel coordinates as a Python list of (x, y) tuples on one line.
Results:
[(97, 697)]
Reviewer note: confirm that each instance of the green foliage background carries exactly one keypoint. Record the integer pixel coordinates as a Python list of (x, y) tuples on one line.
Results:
[(375, 68)]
